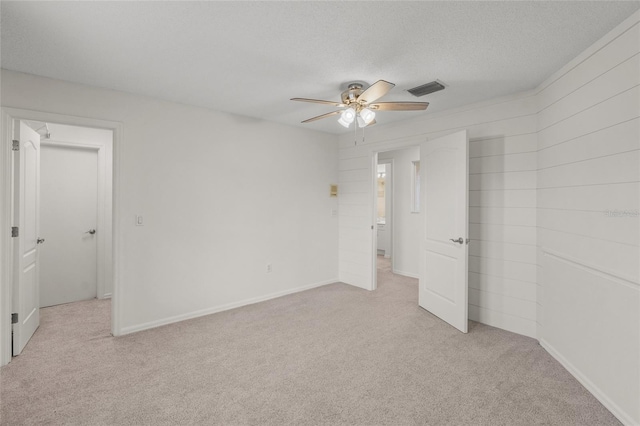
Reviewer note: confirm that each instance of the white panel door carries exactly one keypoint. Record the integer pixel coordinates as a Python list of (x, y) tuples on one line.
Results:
[(26, 300), (68, 210), (444, 228)]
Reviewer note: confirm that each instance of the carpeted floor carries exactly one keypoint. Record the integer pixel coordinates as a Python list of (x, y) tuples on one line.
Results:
[(332, 355)]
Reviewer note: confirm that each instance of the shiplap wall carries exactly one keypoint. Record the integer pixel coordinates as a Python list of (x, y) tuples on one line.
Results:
[(502, 198), (588, 163)]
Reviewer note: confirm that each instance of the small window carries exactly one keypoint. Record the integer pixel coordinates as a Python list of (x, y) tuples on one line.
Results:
[(415, 187), (381, 185)]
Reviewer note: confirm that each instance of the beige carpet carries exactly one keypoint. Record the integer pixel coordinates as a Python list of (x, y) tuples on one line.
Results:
[(332, 355)]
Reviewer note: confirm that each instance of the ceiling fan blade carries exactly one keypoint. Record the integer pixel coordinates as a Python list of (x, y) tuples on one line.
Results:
[(319, 117), (375, 91), (399, 106), (318, 101)]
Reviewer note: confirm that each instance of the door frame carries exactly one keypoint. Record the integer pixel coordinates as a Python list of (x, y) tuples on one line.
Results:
[(104, 208), (374, 209), (7, 115)]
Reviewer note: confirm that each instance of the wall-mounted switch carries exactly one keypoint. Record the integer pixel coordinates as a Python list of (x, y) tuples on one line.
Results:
[(269, 267), (139, 220), (334, 212)]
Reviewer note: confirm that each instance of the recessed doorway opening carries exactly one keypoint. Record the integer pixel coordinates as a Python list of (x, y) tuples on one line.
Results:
[(58, 189), (397, 221)]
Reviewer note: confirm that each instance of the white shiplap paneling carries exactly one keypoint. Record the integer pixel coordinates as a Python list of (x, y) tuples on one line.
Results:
[(588, 298)]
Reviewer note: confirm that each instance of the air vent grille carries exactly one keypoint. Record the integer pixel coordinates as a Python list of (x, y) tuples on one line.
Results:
[(425, 89)]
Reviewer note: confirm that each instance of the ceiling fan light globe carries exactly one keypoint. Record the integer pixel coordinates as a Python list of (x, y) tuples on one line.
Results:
[(361, 122), (348, 115), (344, 123), (367, 115)]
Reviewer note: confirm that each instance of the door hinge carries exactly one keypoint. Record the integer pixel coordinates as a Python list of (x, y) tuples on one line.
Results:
[(14, 318), (14, 231), (15, 145)]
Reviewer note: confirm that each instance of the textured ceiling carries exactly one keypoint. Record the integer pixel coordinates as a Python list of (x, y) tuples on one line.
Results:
[(249, 58)]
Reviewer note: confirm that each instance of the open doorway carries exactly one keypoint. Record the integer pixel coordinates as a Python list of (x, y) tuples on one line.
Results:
[(439, 172), (397, 209), (59, 185), (75, 212)]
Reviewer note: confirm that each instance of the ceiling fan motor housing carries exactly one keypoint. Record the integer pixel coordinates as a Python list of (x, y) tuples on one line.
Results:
[(351, 94)]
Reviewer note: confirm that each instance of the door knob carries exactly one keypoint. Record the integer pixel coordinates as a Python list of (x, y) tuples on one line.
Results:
[(40, 240), (459, 240), (91, 231)]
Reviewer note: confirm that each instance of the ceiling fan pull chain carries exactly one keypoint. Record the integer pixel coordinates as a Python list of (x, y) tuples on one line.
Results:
[(355, 135)]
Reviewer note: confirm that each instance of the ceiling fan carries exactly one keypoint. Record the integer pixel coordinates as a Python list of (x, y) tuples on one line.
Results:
[(358, 104)]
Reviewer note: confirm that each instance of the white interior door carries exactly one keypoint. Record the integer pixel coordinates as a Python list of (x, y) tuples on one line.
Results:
[(26, 300), (69, 197), (444, 230)]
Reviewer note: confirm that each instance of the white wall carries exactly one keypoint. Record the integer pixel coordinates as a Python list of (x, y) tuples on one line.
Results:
[(588, 164), (222, 195), (406, 224), (502, 264)]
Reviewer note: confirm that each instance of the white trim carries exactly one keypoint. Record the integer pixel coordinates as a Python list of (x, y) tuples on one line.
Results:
[(5, 239), (7, 114), (221, 308), (373, 208), (63, 144), (620, 414), (405, 274)]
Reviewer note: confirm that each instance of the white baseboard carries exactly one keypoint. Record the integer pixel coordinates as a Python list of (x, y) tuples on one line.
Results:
[(406, 274), (105, 296), (215, 309), (625, 418)]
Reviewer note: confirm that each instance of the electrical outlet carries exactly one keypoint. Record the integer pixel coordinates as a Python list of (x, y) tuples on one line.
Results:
[(269, 269)]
